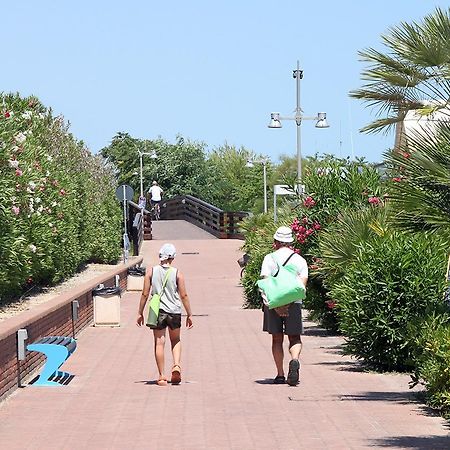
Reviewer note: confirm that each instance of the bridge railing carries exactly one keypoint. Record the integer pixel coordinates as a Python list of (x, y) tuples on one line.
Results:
[(222, 224)]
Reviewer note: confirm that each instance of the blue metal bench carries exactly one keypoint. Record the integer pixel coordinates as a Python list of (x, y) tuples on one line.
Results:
[(57, 349)]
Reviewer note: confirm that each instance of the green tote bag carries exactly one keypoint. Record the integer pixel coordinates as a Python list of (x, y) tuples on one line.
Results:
[(282, 288), (153, 310)]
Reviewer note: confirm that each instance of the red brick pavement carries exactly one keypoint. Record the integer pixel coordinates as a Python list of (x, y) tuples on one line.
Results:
[(225, 400)]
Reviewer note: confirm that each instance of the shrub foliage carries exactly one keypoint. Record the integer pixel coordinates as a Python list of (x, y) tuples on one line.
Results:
[(57, 203)]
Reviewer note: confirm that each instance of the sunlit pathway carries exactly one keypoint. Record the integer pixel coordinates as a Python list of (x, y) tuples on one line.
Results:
[(225, 400)]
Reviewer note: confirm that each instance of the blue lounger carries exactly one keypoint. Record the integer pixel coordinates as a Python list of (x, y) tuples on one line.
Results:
[(57, 349)]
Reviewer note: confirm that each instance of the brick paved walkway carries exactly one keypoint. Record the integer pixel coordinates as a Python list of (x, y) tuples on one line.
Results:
[(225, 400)]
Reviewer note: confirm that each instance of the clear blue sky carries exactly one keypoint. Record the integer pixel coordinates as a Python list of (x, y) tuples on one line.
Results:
[(211, 71)]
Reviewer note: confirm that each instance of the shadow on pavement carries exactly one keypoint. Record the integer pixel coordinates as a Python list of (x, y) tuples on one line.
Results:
[(347, 366), (266, 381), (414, 442), (404, 397)]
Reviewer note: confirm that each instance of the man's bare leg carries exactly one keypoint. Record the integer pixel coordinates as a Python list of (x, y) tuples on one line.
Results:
[(277, 352)]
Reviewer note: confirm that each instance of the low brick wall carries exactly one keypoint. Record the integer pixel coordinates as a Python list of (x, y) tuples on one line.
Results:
[(49, 319)]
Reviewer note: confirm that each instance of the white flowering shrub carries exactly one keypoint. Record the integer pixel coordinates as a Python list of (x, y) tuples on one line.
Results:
[(57, 202)]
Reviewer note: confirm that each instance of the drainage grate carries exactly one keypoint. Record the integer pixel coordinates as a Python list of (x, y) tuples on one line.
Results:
[(190, 253)]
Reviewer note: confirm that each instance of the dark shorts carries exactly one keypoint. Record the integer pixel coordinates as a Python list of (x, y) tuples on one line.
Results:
[(291, 325), (173, 321), (155, 202)]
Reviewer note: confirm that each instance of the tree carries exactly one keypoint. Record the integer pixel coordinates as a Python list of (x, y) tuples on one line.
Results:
[(179, 168), (232, 186), (414, 73), (420, 189)]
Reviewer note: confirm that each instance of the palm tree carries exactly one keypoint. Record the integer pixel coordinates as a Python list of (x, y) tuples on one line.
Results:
[(414, 74), (420, 191)]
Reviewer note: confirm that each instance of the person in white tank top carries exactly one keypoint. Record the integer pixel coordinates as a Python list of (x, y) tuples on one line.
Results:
[(173, 295)]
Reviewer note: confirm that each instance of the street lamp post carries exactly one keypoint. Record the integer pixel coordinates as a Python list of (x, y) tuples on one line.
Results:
[(320, 118), (141, 167), (251, 163)]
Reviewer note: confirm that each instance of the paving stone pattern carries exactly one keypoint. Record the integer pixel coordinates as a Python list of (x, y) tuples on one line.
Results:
[(225, 400)]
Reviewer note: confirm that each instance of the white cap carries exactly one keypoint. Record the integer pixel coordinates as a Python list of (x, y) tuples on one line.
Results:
[(167, 251), (155, 183), (283, 234)]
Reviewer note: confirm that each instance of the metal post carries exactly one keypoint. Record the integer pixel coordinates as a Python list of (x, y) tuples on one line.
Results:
[(125, 234), (141, 174), (274, 205), (298, 74), (265, 186)]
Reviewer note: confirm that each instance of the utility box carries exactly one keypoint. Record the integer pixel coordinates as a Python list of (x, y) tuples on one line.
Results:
[(107, 306), (135, 278)]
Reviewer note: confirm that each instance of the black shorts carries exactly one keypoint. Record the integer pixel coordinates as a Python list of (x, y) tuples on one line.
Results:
[(292, 325), (173, 321)]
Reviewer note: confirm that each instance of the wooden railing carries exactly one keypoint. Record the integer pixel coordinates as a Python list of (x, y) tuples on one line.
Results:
[(222, 224)]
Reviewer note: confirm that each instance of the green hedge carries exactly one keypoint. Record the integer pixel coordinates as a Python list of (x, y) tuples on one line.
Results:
[(394, 281), (57, 205)]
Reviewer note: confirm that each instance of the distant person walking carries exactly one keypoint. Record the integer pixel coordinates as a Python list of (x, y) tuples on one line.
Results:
[(286, 320), (172, 296)]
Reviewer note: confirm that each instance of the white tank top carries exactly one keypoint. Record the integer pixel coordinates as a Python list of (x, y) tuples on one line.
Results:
[(170, 299)]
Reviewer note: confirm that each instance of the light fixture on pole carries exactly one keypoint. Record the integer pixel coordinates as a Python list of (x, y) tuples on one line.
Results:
[(251, 163), (320, 118), (141, 155)]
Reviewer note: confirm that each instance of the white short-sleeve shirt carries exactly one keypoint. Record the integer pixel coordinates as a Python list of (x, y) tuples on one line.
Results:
[(269, 266), (155, 193)]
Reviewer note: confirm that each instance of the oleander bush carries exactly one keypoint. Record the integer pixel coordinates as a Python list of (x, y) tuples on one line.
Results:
[(432, 353), (57, 200), (394, 280)]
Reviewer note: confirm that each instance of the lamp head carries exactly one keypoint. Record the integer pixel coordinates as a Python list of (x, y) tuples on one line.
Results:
[(249, 163), (322, 120), (274, 120)]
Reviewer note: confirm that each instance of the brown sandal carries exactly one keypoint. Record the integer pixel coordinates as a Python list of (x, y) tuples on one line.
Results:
[(162, 381), (176, 374)]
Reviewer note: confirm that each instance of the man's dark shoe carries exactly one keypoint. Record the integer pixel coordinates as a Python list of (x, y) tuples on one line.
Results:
[(279, 379), (294, 368)]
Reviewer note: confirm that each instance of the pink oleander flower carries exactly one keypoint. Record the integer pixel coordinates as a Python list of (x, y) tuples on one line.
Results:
[(374, 200), (7, 114), (331, 304), (309, 202), (313, 266), (309, 232), (305, 220), (397, 179), (15, 210), (317, 226), (62, 192), (405, 154), (18, 173)]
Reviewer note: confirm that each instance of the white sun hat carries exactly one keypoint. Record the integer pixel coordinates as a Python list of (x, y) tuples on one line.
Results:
[(283, 234)]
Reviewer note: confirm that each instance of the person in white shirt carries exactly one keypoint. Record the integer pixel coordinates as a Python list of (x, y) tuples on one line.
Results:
[(155, 193), (286, 319)]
